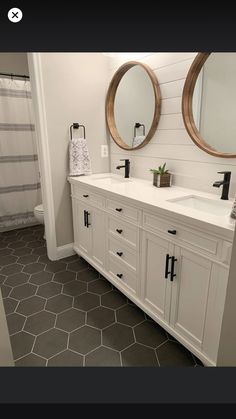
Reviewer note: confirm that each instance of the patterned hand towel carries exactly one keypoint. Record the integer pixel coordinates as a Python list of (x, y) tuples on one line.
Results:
[(79, 159), (233, 212), (138, 140)]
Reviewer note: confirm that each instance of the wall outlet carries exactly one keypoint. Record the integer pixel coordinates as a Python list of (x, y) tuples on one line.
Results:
[(104, 150)]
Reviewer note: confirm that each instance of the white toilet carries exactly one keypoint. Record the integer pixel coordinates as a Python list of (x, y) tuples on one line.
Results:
[(39, 215)]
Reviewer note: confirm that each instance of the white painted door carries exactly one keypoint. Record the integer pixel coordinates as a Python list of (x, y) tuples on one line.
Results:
[(6, 357), (96, 219), (155, 287), (190, 294), (82, 232)]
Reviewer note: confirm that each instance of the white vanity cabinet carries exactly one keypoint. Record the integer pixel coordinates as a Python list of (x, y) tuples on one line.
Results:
[(174, 271)]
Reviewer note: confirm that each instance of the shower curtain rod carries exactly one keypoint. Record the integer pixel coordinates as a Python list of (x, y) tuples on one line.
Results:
[(14, 75)]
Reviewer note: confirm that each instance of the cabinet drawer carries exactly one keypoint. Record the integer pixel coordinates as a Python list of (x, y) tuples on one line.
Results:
[(122, 253), (122, 210), (125, 232), (86, 195), (184, 236), (122, 274)]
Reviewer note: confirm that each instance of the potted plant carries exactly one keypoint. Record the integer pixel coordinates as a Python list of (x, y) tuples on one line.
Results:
[(161, 176)]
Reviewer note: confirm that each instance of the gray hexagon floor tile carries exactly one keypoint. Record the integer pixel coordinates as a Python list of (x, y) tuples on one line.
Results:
[(9, 305), (59, 303), (150, 334), (2, 278), (40, 322), (39, 251), (31, 305), (78, 265), (32, 268), (85, 339), (11, 269), (50, 343), (17, 279), (100, 317), (117, 336), (86, 301), (41, 278), (4, 252), (16, 244), (66, 359), (75, 288), (70, 320), (87, 275), (49, 289), (55, 267), (7, 260), (139, 356), (173, 354), (31, 360), (23, 291), (101, 286), (5, 289), (25, 260), (64, 276), (130, 315), (22, 252), (15, 322), (34, 244), (71, 259), (21, 343), (103, 357), (113, 299)]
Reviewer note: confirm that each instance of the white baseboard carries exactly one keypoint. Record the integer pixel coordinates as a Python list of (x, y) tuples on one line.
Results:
[(65, 251)]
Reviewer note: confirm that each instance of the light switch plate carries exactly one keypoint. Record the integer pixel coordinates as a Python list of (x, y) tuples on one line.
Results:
[(104, 150)]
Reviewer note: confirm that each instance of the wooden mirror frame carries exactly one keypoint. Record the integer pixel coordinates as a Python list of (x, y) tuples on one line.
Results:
[(187, 111), (110, 101)]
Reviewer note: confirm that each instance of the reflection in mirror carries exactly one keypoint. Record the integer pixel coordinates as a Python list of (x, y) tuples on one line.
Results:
[(210, 117), (134, 106)]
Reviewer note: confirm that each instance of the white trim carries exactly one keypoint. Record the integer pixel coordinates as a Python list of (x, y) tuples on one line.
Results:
[(65, 251), (35, 71)]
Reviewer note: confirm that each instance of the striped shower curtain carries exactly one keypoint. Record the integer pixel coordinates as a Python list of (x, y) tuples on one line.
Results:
[(19, 173)]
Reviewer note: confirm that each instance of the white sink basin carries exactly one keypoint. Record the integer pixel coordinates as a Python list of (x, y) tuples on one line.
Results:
[(109, 180), (211, 206)]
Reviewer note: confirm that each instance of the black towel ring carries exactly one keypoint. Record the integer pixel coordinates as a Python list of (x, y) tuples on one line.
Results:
[(138, 125), (76, 125)]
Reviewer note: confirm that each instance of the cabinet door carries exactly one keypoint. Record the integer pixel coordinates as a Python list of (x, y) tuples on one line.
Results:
[(6, 356), (82, 234), (96, 220), (190, 294), (155, 288)]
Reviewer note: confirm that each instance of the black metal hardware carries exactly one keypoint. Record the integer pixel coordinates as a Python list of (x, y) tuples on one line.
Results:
[(126, 166), (119, 254), (119, 230), (225, 183), (85, 196), (119, 275), (138, 125), (119, 209), (88, 224), (76, 125), (172, 231), (85, 218), (172, 274), (168, 257)]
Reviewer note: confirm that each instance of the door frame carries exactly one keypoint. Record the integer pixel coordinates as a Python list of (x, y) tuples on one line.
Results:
[(42, 138)]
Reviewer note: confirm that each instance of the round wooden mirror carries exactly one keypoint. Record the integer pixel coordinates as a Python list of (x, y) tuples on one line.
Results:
[(209, 103), (133, 105)]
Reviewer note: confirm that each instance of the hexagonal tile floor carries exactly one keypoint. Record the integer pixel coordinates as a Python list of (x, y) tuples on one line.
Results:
[(65, 313)]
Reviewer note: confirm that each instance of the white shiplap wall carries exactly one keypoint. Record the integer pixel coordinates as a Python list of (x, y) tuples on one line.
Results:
[(191, 167)]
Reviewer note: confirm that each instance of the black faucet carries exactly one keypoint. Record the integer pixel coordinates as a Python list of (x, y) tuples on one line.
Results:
[(225, 182), (126, 166)]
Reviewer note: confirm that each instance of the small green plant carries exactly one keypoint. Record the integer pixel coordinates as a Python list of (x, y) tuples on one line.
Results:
[(161, 170)]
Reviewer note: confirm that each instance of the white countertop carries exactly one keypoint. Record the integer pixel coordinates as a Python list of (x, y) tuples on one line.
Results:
[(142, 191)]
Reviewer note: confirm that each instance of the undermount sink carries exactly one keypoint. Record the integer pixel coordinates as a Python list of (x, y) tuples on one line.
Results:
[(211, 206), (109, 180)]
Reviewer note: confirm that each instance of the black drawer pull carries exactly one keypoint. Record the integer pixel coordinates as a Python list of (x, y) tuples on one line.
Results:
[(88, 224), (172, 231), (85, 196), (119, 209), (172, 274), (119, 254), (167, 272), (119, 275), (85, 218), (119, 230)]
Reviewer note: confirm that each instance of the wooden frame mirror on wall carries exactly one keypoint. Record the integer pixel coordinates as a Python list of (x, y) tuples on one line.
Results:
[(128, 92), (207, 104)]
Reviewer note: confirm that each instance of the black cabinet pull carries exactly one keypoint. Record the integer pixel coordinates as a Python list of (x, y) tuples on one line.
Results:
[(119, 230), (172, 231), (119, 254), (85, 218), (119, 275), (119, 209), (88, 224), (85, 196), (172, 274), (168, 257)]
